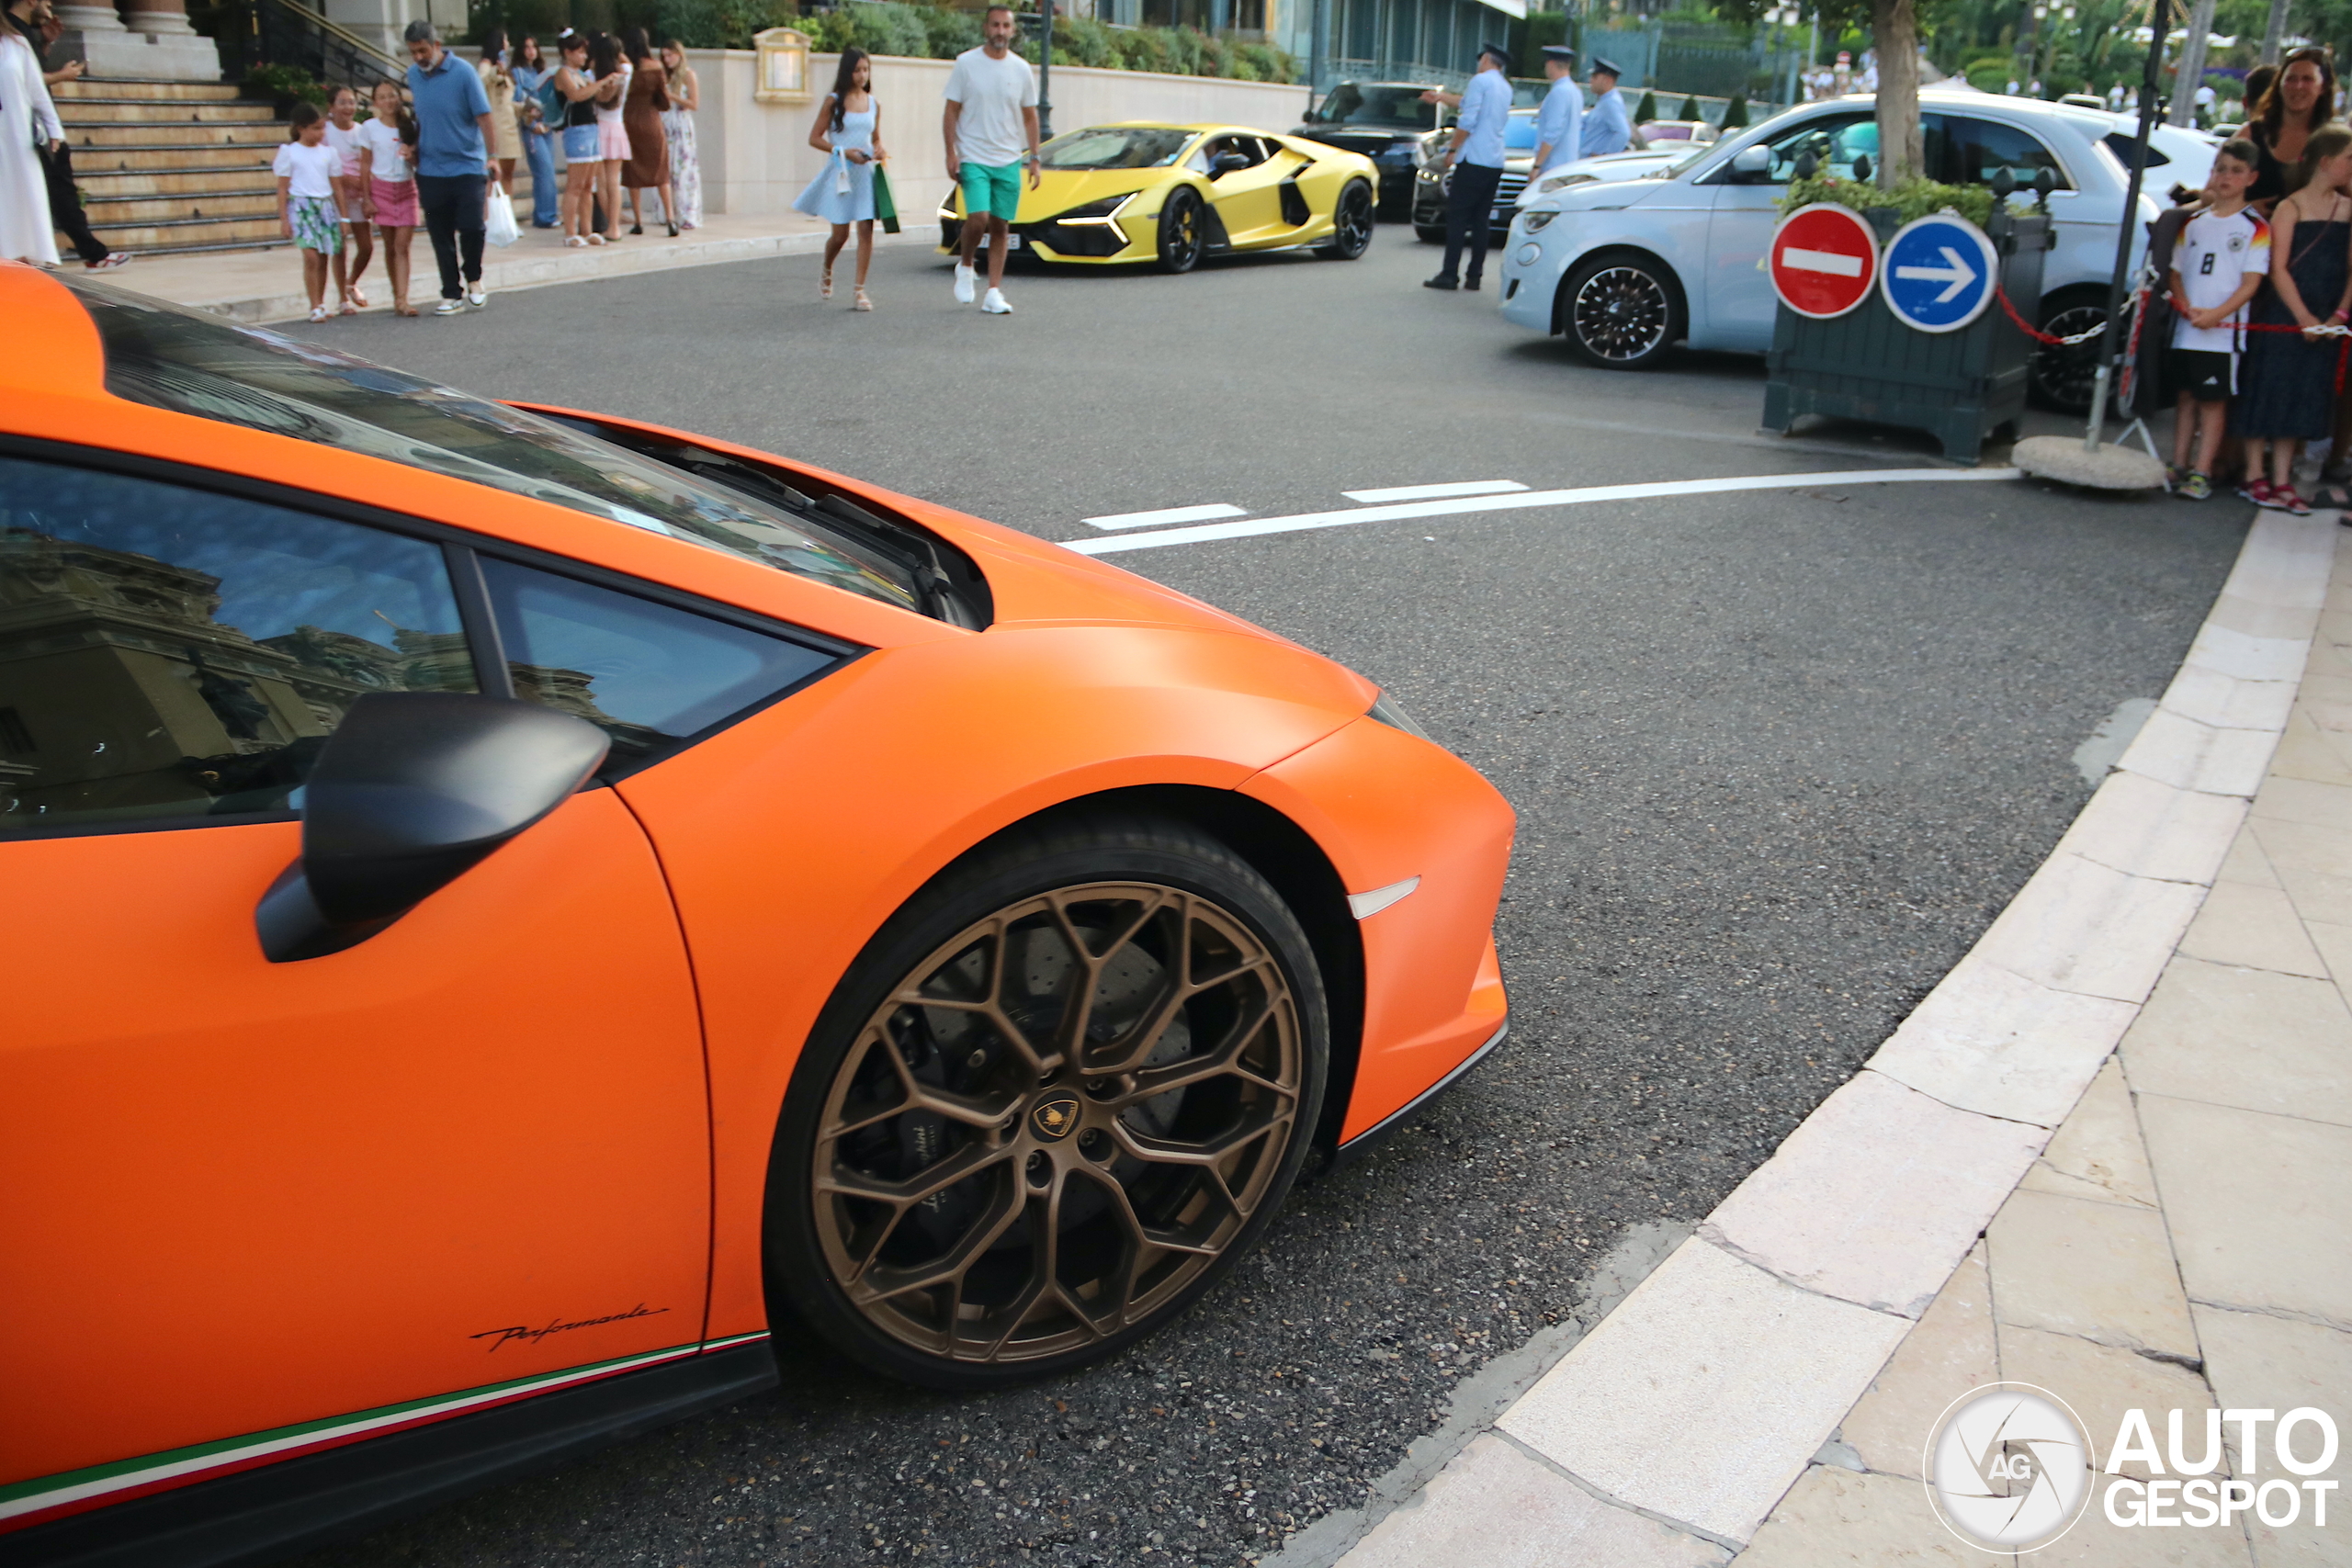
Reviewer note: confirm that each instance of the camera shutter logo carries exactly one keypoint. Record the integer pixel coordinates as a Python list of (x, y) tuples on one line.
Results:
[(2009, 1467)]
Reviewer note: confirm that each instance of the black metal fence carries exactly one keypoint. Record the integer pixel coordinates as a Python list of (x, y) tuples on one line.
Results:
[(251, 34)]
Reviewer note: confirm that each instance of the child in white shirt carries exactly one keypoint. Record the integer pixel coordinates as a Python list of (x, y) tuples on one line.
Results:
[(343, 135), (2217, 268), (307, 169)]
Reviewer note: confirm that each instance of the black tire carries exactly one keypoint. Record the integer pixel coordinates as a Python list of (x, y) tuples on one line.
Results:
[(1429, 234), (1032, 1188), (1622, 312), (1351, 221), (2062, 379), (1183, 231)]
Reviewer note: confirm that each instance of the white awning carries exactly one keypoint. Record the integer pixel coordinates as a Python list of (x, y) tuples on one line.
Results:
[(1515, 9)]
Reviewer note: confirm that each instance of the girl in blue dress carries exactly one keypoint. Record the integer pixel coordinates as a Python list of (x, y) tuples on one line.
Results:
[(849, 128)]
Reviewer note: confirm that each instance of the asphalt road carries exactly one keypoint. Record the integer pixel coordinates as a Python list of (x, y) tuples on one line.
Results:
[(1779, 757)]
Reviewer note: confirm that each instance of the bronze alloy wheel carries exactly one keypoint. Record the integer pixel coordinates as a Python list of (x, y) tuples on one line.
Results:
[(1621, 314), (1057, 1121)]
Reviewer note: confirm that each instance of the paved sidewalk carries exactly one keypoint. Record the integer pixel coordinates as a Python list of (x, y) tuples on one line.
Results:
[(257, 286), (2109, 1157)]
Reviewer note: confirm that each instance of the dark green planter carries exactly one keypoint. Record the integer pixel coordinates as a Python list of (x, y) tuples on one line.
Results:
[(1959, 387)]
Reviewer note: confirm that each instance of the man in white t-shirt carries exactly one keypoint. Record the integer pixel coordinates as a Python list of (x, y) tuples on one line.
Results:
[(992, 128)]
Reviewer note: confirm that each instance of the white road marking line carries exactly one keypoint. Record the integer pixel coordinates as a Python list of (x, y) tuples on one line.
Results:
[(1166, 514), (1829, 262), (1435, 492), (1303, 520)]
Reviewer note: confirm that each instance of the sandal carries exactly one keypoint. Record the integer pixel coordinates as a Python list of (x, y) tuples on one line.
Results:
[(825, 289), (320, 313), (346, 308), (861, 302), (2257, 491), (2284, 499), (595, 239), (358, 296), (573, 241)]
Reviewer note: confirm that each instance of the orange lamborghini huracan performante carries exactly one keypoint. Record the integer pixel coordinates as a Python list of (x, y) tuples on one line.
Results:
[(508, 907)]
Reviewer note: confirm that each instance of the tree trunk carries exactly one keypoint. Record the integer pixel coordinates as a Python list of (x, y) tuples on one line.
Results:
[(1895, 33)]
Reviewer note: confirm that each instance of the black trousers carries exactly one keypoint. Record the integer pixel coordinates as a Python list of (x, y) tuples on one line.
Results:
[(66, 204), (452, 208), (1469, 201)]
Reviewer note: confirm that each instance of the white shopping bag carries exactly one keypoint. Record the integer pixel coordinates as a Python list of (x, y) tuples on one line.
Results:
[(498, 224), (840, 175)]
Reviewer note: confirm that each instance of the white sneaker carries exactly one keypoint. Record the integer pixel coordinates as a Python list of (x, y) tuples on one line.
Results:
[(478, 298), (964, 278), (450, 307), (996, 304)]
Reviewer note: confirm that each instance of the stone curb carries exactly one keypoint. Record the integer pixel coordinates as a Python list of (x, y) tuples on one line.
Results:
[(1669, 1431), (503, 274)]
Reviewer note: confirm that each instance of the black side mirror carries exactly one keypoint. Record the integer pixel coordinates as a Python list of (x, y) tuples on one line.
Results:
[(1225, 163), (412, 791)]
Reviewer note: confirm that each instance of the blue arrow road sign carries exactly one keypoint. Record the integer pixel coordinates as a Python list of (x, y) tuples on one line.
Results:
[(1938, 273)]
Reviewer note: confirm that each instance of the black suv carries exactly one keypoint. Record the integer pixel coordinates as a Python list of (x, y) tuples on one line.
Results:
[(1385, 122)]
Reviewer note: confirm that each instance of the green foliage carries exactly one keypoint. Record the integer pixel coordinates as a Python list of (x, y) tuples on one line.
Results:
[(725, 24), (1646, 110), (1690, 110), (1736, 112), (887, 30), (285, 82), (1911, 198)]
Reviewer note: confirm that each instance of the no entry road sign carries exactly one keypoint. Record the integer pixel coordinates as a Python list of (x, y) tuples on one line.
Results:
[(1938, 273), (1824, 260)]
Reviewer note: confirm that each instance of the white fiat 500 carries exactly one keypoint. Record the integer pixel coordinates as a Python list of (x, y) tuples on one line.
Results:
[(1628, 269)]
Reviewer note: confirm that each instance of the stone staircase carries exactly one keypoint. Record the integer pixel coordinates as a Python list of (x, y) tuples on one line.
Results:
[(170, 166)]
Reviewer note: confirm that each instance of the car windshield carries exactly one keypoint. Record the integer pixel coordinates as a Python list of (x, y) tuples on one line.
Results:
[(1387, 108), (1117, 147), (1519, 133), (173, 358)]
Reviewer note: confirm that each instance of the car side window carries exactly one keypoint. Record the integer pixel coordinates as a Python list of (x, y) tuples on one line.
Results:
[(170, 655), (1983, 148), (1834, 141), (650, 675), (2121, 145)]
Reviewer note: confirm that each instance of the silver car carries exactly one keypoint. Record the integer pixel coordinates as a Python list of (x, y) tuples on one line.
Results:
[(1627, 270)]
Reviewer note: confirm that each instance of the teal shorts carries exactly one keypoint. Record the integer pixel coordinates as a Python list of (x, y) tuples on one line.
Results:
[(995, 191)]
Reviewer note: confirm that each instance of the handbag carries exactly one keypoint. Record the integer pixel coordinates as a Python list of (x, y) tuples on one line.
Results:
[(499, 227), (886, 206)]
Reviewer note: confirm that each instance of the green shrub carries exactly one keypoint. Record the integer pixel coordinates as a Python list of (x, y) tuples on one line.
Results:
[(1270, 64), (285, 82), (1736, 112), (1690, 110), (1084, 39), (949, 33), (1912, 199), (887, 30), (1646, 110)]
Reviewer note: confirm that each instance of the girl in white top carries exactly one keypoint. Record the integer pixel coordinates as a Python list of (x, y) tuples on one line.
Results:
[(388, 184), (307, 169), (350, 199), (27, 117)]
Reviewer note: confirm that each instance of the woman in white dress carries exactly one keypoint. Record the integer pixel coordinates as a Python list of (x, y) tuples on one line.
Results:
[(25, 112)]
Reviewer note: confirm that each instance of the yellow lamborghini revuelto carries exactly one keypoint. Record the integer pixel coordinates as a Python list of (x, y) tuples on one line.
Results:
[(1172, 193)]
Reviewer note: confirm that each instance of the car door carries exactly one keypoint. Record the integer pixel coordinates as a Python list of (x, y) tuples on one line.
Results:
[(1740, 301), (1249, 201), (2082, 224), (254, 1206)]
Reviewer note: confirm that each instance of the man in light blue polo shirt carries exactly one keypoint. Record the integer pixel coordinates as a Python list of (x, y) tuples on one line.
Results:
[(1559, 135), (1607, 127), (1475, 158), (453, 164)]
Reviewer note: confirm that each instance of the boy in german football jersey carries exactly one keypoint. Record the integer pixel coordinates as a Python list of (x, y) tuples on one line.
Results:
[(2220, 263)]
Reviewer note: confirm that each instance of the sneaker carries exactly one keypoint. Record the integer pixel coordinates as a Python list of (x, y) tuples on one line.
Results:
[(2197, 487), (964, 280), (996, 304), (477, 298), (2173, 476), (450, 307), (108, 262)]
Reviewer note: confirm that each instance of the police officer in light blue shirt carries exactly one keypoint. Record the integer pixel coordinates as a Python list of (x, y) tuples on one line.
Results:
[(1607, 127), (1559, 135), (1476, 157)]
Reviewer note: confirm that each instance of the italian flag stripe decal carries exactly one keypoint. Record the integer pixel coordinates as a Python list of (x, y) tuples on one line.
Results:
[(78, 1489)]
